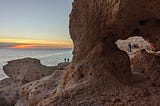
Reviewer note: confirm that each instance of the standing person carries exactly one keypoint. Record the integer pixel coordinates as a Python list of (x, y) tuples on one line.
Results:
[(68, 59), (65, 59), (130, 47)]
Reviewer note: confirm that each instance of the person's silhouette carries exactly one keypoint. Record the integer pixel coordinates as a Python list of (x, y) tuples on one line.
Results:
[(68, 60), (65, 59), (130, 47)]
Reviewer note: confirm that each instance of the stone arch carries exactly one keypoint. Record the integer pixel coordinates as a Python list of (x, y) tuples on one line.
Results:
[(137, 43), (95, 26), (100, 71)]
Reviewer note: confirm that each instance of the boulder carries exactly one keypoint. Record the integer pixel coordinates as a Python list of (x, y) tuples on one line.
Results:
[(26, 70)]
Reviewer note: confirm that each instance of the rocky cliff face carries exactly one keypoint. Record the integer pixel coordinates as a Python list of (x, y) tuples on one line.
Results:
[(95, 26), (99, 68)]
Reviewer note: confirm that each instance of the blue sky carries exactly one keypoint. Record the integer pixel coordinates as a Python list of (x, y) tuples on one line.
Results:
[(35, 20)]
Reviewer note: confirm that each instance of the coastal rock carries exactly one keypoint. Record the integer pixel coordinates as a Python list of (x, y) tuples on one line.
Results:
[(23, 69), (9, 91), (61, 66), (36, 91), (96, 25), (26, 72)]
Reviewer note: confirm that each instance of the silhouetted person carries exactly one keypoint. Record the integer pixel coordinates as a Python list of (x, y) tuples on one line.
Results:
[(65, 59), (130, 47), (68, 60)]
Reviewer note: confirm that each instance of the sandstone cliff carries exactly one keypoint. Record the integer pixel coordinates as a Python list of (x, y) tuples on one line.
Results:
[(101, 73)]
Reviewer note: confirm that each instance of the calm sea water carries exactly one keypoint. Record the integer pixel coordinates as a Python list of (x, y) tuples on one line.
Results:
[(47, 57)]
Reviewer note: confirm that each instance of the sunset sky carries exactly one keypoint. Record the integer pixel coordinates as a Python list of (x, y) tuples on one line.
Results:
[(35, 24)]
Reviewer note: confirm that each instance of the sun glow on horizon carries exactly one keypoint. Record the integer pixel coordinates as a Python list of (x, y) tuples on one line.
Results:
[(22, 47), (31, 44), (35, 24)]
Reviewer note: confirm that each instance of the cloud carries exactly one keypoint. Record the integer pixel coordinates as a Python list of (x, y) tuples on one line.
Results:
[(7, 45), (33, 46)]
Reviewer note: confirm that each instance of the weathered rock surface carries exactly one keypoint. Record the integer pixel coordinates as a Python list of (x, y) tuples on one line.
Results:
[(3, 102), (149, 64), (26, 70), (100, 73), (21, 73), (32, 93)]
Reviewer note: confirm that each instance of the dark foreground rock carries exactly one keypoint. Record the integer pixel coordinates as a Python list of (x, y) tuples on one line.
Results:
[(149, 64), (3, 102), (23, 72)]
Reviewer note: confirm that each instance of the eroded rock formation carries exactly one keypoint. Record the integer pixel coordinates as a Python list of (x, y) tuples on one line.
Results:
[(26, 72), (32, 70), (99, 68), (33, 93), (96, 25)]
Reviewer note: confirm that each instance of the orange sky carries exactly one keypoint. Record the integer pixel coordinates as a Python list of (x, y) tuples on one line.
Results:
[(31, 44)]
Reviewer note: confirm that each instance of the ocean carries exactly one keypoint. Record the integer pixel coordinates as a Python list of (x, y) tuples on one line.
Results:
[(49, 57)]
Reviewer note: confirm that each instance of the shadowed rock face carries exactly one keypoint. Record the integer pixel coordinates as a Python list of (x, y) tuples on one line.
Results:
[(93, 30), (149, 64), (95, 26)]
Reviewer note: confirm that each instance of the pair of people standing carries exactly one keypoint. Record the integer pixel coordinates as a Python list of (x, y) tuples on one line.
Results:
[(66, 60)]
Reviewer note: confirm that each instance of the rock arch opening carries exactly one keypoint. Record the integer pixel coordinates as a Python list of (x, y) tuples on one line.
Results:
[(137, 43), (134, 46)]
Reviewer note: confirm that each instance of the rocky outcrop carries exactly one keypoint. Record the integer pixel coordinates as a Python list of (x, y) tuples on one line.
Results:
[(26, 72), (9, 91), (100, 73), (32, 93)]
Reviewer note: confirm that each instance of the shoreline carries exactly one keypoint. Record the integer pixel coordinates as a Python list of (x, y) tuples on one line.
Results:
[(47, 57)]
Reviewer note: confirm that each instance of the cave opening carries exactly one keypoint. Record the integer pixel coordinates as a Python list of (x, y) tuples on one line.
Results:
[(137, 43)]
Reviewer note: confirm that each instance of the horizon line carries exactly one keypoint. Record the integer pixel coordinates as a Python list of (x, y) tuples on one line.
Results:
[(34, 44)]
